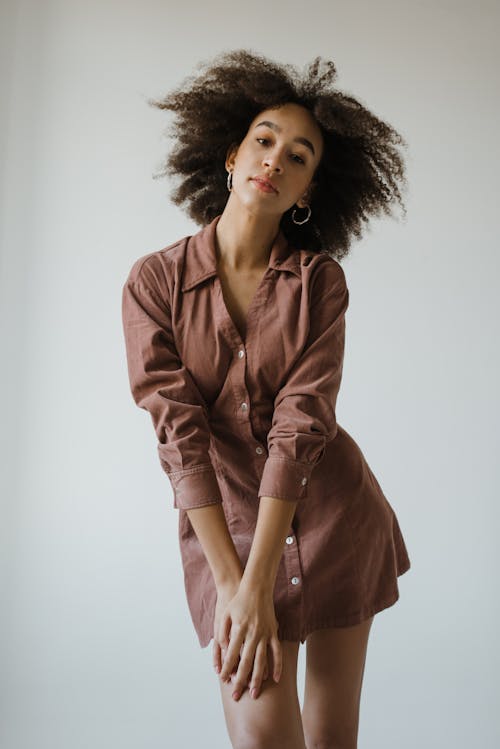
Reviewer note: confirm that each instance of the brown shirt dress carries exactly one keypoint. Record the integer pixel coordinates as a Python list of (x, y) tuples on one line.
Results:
[(238, 419)]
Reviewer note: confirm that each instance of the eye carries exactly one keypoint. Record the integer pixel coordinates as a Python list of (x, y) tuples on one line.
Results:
[(295, 157)]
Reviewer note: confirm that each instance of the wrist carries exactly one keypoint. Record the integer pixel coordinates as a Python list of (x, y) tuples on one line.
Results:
[(257, 584), (229, 583)]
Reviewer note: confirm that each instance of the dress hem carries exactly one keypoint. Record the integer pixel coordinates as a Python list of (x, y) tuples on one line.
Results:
[(348, 620)]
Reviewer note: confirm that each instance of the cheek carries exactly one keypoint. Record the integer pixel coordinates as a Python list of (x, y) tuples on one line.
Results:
[(303, 184)]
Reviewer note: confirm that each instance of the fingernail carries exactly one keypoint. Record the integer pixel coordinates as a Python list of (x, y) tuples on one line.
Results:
[(217, 669), (236, 694), (254, 693)]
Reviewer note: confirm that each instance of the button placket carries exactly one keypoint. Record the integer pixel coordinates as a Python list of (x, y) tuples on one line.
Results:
[(292, 566), (242, 393), (244, 402)]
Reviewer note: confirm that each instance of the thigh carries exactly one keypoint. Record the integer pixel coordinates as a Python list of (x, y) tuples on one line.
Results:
[(273, 720), (335, 663)]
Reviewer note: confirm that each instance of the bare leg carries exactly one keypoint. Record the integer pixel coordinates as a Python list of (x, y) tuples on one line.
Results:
[(273, 720), (335, 663)]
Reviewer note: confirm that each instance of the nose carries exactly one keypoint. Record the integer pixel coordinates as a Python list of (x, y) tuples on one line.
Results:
[(272, 161)]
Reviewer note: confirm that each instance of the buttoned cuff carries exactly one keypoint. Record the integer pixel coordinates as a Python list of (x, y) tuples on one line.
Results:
[(195, 487), (285, 479)]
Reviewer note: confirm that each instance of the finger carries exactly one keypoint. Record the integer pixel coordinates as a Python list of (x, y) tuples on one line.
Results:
[(258, 668), (224, 640), (224, 633), (234, 669), (277, 658), (216, 656), (236, 666), (231, 657), (244, 669)]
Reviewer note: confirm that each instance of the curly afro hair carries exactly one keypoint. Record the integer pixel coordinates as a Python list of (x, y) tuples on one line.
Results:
[(358, 175)]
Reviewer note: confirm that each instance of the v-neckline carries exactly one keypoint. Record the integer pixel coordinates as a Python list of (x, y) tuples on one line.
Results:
[(242, 338)]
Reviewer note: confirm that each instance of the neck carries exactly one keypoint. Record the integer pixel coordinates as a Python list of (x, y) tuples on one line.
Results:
[(244, 240)]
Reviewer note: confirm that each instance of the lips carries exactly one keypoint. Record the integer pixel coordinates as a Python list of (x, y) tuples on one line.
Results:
[(265, 184)]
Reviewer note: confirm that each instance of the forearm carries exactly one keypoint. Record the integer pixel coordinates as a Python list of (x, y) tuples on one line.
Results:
[(273, 524), (209, 524)]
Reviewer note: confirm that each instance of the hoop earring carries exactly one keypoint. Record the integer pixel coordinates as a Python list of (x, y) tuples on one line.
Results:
[(307, 217), (230, 181)]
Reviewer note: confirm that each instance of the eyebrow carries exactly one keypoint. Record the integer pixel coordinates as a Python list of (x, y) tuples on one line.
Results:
[(299, 139)]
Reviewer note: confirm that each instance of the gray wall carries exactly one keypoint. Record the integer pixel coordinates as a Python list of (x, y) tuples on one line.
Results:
[(97, 646)]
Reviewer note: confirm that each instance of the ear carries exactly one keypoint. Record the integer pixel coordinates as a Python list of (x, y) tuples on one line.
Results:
[(231, 156)]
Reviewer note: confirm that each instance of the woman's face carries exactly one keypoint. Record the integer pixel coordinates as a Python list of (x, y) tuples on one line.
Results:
[(284, 146)]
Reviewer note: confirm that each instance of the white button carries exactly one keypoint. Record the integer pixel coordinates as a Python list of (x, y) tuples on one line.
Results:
[(241, 354), (289, 539), (295, 580), (244, 406), (259, 450), (304, 481)]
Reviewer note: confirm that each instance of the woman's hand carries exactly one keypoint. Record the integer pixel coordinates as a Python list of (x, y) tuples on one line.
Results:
[(224, 595), (245, 624)]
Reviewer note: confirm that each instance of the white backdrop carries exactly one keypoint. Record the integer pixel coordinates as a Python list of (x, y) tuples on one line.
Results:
[(97, 646)]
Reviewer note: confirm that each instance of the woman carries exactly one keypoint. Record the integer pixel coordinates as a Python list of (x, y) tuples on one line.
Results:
[(235, 344)]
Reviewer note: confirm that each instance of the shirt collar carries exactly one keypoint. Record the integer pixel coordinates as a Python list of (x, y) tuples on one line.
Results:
[(201, 261)]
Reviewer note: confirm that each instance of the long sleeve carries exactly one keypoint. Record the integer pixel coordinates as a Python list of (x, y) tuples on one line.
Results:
[(162, 385), (304, 418)]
